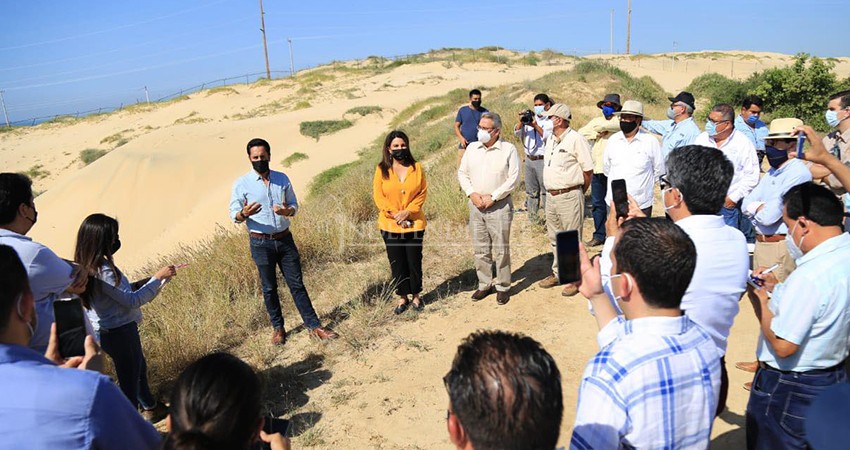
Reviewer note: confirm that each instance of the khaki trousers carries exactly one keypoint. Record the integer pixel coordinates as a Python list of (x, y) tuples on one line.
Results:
[(767, 254), (491, 233), (563, 212)]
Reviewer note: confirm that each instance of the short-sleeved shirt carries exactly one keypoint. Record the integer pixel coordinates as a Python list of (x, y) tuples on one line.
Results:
[(812, 309), (756, 134), (468, 119), (591, 132), (838, 144), (565, 160)]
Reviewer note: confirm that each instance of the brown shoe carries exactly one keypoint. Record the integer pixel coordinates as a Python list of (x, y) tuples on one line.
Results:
[(480, 295), (747, 366), (595, 243), (324, 333), (502, 298), (549, 282), (279, 336), (569, 290), (155, 414), (748, 385)]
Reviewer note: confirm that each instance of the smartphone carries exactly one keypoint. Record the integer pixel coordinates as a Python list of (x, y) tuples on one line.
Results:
[(754, 282), (70, 327), (621, 197), (801, 139), (566, 247), (273, 425)]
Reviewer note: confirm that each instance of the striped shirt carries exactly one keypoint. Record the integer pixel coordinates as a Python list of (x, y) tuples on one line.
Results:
[(654, 384)]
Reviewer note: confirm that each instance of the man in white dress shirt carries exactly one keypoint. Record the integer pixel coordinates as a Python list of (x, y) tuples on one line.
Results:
[(633, 155), (720, 133)]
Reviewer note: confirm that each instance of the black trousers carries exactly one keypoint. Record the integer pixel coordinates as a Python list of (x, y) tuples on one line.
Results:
[(404, 251)]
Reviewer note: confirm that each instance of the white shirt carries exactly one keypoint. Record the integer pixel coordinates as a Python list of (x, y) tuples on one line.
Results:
[(639, 162), (720, 276), (739, 149), (493, 171), (533, 141)]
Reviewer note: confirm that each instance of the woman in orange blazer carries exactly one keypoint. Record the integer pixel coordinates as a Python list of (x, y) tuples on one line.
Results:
[(399, 189)]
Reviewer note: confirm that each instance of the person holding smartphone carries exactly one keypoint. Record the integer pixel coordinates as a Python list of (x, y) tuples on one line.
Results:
[(118, 308), (216, 404), (399, 189)]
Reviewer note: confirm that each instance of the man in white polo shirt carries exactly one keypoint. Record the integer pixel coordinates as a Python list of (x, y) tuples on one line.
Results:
[(633, 155), (567, 168), (720, 133)]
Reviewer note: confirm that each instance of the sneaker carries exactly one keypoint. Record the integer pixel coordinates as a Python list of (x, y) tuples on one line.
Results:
[(155, 414), (549, 282)]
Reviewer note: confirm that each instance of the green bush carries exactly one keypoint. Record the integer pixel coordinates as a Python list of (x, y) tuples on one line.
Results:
[(91, 155), (317, 128), (717, 88), (364, 110), (36, 172), (293, 158)]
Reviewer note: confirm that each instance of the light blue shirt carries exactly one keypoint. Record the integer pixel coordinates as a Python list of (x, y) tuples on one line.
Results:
[(49, 276), (756, 134), (673, 134), (119, 305), (772, 186), (812, 309), (43, 406), (250, 188)]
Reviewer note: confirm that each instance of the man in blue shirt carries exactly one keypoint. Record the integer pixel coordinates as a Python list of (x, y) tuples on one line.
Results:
[(264, 200), (48, 274), (680, 129), (749, 123), (805, 324), (43, 405), (466, 122)]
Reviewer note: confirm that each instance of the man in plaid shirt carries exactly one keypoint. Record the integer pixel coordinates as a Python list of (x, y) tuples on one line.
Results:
[(655, 382)]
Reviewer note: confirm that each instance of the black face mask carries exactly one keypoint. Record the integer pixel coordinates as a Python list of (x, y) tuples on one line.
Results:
[(775, 157), (261, 166), (116, 245), (628, 127), (398, 155), (34, 216), (476, 104)]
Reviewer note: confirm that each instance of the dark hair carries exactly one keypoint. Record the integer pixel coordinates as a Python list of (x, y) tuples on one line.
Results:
[(15, 189), (505, 390), (814, 202), (387, 160), (543, 98), (751, 100), (660, 256), (703, 176), (474, 92), (95, 239), (258, 142), (845, 99), (13, 282), (215, 404), (726, 110)]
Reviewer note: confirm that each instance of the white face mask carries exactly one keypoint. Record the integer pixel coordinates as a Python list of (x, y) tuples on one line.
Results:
[(484, 136), (618, 298), (30, 324), (668, 208), (794, 251)]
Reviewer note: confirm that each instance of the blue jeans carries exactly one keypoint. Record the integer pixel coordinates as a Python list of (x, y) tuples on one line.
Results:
[(735, 219), (124, 346), (268, 254), (779, 403), (598, 207)]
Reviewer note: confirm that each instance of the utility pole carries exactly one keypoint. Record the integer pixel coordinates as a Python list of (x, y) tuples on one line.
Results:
[(5, 114), (628, 26), (611, 50), (673, 56), (291, 61), (265, 45), (147, 97)]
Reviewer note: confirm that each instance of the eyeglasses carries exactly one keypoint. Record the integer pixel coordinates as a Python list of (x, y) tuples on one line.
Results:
[(664, 182), (486, 129), (718, 121)]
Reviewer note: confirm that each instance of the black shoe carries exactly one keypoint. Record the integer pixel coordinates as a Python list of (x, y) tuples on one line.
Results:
[(502, 298), (401, 308), (480, 295)]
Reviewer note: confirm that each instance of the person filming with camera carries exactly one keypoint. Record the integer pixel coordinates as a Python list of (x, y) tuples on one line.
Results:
[(534, 128)]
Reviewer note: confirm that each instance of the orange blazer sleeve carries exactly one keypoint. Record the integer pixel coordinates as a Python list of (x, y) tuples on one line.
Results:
[(416, 203), (381, 201)]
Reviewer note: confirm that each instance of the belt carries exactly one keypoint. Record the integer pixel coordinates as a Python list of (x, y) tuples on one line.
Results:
[(534, 158), (839, 366), (770, 237), (554, 192), (273, 237)]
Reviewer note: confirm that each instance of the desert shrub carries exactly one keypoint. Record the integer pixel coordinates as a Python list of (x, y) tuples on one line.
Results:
[(91, 155), (36, 172), (293, 158), (717, 89), (317, 128), (226, 90), (364, 110)]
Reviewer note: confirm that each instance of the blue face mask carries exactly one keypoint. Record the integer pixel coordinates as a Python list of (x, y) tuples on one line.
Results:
[(538, 109), (608, 111), (832, 118), (752, 120), (775, 157), (710, 128)]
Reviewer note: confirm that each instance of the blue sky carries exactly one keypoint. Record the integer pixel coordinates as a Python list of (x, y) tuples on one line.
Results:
[(62, 56)]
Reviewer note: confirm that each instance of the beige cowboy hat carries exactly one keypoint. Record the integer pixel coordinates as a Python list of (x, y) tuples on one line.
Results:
[(560, 110), (632, 107), (782, 128)]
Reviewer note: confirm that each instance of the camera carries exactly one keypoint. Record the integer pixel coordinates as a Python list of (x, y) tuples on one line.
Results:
[(526, 117)]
